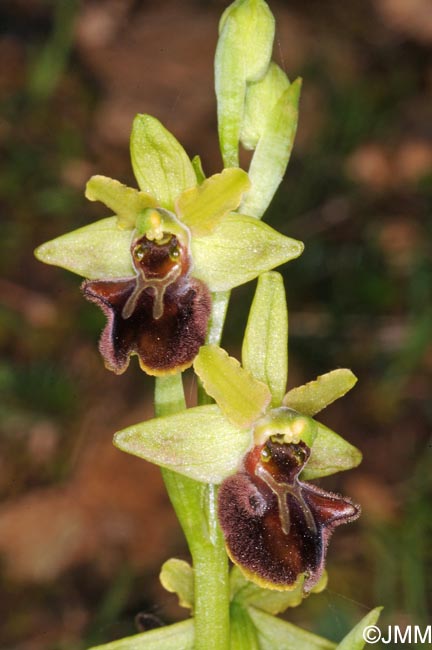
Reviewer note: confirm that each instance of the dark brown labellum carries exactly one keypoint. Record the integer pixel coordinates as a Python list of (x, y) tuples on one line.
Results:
[(161, 314), (277, 527)]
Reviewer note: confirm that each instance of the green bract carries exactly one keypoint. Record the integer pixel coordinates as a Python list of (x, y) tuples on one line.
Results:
[(220, 238), (207, 443)]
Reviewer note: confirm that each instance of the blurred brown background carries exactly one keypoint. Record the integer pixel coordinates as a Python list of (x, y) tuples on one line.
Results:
[(83, 527)]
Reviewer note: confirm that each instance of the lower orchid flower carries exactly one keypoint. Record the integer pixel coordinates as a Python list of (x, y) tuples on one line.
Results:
[(261, 445)]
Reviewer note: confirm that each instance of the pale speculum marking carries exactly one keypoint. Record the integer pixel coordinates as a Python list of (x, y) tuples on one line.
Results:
[(282, 490)]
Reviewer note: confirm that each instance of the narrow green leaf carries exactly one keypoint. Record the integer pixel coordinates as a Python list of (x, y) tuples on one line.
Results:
[(202, 207), (179, 636), (243, 635), (239, 249), (199, 443), (124, 201), (161, 165), (275, 634), (272, 153), (98, 251), (330, 453), (325, 389), (354, 639), (240, 397), (265, 350), (176, 576), (243, 54), (261, 97)]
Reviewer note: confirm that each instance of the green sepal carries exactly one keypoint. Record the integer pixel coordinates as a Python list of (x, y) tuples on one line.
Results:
[(176, 576), (124, 201), (313, 397), (179, 636), (198, 168), (330, 453), (243, 635), (261, 97), (354, 640), (248, 593), (202, 207), (275, 634), (240, 397), (199, 443), (243, 52), (161, 165), (272, 152), (98, 251), (265, 350), (238, 250)]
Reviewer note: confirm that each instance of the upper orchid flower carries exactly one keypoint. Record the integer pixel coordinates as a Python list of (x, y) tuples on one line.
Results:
[(260, 444), (152, 266)]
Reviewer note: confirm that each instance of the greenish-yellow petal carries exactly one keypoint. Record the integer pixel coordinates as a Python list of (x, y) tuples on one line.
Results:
[(330, 453), (265, 348), (239, 395), (261, 97), (272, 152), (126, 202), (176, 576), (199, 443), (202, 207), (238, 250), (325, 389), (161, 165), (98, 251)]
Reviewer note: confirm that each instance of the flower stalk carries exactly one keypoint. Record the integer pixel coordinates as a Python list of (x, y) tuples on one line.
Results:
[(195, 505)]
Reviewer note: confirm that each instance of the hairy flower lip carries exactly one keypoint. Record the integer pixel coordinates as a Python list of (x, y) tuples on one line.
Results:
[(277, 527), (164, 345)]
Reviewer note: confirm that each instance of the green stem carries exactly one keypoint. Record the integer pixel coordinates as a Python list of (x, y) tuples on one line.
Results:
[(195, 506)]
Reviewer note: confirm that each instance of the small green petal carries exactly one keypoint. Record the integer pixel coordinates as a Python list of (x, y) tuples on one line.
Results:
[(179, 636), (275, 634), (176, 576), (238, 250), (161, 165), (354, 639), (199, 443), (99, 251), (243, 54), (240, 397), (261, 97), (273, 152), (243, 635), (330, 453), (265, 350), (325, 389), (124, 201), (202, 207)]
